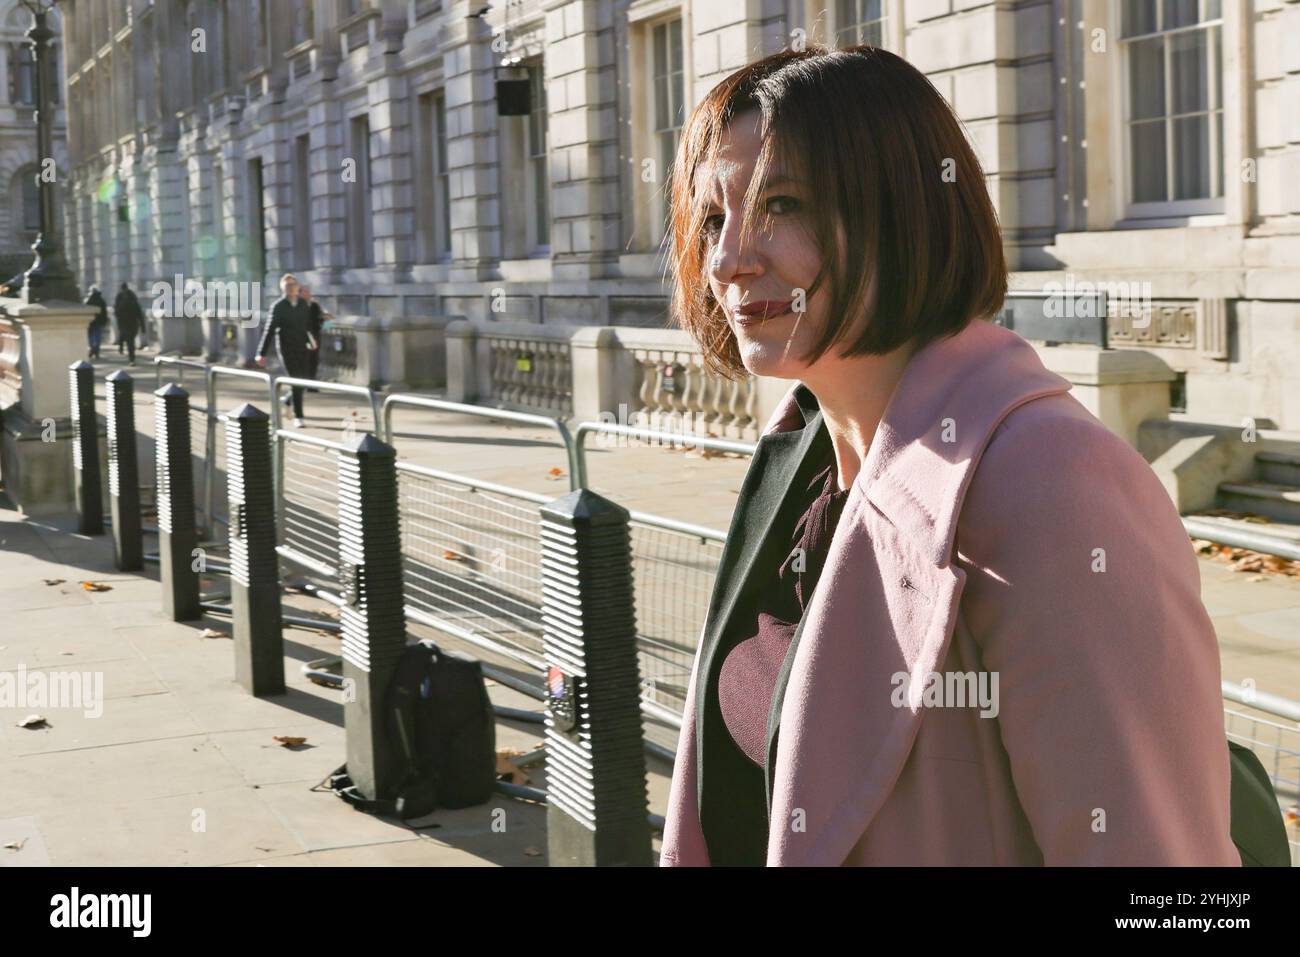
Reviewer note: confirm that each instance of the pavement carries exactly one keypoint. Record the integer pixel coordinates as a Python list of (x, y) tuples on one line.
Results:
[(181, 766)]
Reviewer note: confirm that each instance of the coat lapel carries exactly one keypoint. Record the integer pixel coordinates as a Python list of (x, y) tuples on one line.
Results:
[(780, 453), (841, 727)]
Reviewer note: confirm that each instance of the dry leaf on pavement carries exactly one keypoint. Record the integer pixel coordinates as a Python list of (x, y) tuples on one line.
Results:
[(33, 721), (288, 741), (96, 586)]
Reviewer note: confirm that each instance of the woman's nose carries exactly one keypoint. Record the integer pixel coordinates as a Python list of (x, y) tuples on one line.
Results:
[(730, 257)]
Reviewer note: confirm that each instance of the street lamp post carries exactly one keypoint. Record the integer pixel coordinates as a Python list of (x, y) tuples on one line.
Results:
[(50, 276)]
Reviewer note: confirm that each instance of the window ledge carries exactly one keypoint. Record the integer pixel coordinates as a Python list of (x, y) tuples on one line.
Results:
[(1173, 222)]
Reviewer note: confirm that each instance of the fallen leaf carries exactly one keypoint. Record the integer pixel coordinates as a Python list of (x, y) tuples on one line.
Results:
[(554, 473), (288, 741), (506, 766), (451, 556), (33, 721), (212, 633), (55, 581), (15, 845), (532, 852), (96, 586)]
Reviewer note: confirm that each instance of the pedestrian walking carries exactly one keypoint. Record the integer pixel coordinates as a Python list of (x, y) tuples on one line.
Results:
[(289, 328), (130, 317), (95, 331), (929, 516), (314, 326)]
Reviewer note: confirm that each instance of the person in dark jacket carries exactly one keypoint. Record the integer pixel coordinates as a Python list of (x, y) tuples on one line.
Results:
[(289, 326), (314, 326), (95, 331), (126, 307)]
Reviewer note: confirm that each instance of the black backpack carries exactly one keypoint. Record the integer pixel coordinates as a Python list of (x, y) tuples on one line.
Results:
[(438, 718)]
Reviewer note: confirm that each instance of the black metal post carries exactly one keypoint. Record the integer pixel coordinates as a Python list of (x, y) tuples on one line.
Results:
[(177, 537), (124, 473), (49, 276), (254, 565), (373, 616), (596, 813), (85, 449)]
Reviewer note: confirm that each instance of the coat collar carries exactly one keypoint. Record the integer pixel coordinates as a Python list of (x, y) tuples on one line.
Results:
[(887, 576), (950, 398)]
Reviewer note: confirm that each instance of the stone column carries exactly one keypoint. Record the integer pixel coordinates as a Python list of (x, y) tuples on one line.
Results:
[(581, 85), (37, 435), (471, 144), (392, 199)]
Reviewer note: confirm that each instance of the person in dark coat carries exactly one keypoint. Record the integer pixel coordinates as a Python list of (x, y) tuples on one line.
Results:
[(289, 326), (95, 331), (126, 307), (314, 326)]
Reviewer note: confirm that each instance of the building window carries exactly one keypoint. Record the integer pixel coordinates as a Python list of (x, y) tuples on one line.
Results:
[(304, 22), (31, 202), (217, 247), (22, 75), (1172, 56), (420, 9), (860, 21), (538, 164), (257, 217), (669, 100), (302, 251), (434, 209), (360, 227)]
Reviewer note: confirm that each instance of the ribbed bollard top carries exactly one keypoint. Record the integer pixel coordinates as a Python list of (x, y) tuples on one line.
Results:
[(172, 444), (81, 384), (121, 432), (370, 555), (252, 518), (596, 765)]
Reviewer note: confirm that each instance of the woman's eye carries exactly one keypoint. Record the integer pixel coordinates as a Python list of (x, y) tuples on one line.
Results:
[(782, 205), (713, 224)]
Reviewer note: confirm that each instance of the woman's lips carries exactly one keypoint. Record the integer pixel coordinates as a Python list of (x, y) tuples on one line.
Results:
[(753, 313)]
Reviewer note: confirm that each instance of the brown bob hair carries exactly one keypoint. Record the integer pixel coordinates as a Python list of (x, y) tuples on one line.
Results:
[(896, 201)]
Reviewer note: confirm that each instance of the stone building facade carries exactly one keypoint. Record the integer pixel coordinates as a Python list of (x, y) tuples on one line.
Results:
[(20, 208), (359, 143)]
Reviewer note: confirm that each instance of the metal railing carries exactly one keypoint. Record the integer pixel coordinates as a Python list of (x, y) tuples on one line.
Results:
[(676, 439), (1270, 726), (471, 560), (307, 502), (571, 453)]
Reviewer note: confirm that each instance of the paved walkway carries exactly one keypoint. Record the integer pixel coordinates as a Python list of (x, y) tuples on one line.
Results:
[(180, 767)]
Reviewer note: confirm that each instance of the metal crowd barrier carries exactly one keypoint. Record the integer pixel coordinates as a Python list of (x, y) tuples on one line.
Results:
[(502, 415), (472, 555), (1270, 726)]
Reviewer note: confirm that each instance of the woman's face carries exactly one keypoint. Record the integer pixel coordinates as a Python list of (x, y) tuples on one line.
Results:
[(762, 287)]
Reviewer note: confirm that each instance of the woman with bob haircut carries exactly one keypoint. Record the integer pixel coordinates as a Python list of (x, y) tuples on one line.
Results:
[(956, 621)]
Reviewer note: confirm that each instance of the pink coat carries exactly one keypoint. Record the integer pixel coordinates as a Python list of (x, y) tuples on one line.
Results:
[(996, 526)]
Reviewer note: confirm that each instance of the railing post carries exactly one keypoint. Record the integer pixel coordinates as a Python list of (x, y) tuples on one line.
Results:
[(596, 789), (85, 450), (373, 615), (177, 540), (124, 473), (254, 565)]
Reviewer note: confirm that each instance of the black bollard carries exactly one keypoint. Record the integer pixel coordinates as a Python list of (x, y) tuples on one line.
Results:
[(373, 616), (254, 565), (124, 473), (177, 538), (597, 811), (85, 449)]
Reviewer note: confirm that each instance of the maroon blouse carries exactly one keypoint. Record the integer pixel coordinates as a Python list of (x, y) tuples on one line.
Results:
[(747, 678)]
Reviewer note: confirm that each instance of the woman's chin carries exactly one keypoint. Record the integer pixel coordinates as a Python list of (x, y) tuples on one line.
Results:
[(770, 361)]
